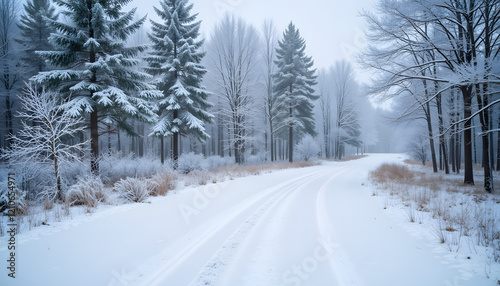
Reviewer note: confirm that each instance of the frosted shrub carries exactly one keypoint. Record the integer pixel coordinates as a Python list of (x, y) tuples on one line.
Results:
[(191, 162), (114, 167), (148, 166), (307, 148), (88, 191), (256, 159), (214, 162), (20, 198), (198, 178), (22, 205), (33, 179), (161, 183), (72, 171), (133, 189)]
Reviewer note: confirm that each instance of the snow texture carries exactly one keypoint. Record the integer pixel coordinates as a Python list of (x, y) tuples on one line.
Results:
[(313, 226)]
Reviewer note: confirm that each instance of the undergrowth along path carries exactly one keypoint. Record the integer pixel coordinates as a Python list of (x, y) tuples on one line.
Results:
[(309, 226)]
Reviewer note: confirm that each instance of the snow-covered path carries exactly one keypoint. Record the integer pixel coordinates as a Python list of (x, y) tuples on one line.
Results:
[(311, 226)]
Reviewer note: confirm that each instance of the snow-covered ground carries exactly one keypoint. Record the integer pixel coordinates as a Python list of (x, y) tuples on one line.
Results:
[(311, 226)]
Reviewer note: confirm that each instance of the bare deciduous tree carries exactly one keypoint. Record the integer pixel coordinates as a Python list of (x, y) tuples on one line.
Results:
[(45, 141), (233, 61), (270, 105)]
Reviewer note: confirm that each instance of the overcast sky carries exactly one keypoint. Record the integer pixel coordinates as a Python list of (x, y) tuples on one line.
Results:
[(332, 29)]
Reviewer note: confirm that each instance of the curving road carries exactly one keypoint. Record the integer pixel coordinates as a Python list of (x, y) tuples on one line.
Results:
[(311, 226)]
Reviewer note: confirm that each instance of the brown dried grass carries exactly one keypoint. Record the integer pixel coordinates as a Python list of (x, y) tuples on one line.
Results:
[(352, 158), (257, 169), (388, 172), (161, 183)]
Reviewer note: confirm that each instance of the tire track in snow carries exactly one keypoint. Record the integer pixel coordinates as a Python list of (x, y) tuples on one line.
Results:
[(339, 262), (213, 269), (218, 224)]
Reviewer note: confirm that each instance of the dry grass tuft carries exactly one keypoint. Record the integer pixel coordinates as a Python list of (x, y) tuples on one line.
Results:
[(161, 183), (258, 169), (392, 172), (89, 191), (199, 178), (48, 204), (352, 158), (133, 189)]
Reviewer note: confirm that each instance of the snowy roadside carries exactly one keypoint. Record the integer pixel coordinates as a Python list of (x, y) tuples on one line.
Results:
[(95, 196), (309, 226), (461, 222)]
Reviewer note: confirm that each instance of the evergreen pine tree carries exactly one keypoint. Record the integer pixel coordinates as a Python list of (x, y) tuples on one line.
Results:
[(99, 75), (175, 60), (293, 89), (35, 32)]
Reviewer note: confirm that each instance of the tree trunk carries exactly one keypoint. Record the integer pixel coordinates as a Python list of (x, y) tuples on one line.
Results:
[(94, 142), (94, 118), (8, 118), (474, 147), (229, 151), (498, 146), (443, 154), (109, 139), (431, 136), (212, 147), (175, 145), (492, 140), (56, 168), (488, 178), (119, 140), (272, 142), (290, 138), (220, 135), (141, 140), (482, 101), (175, 150), (162, 150), (468, 167), (452, 153), (458, 149)]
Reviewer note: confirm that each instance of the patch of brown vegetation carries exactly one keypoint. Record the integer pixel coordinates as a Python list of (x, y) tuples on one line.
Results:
[(347, 158), (392, 172), (352, 158), (161, 183), (245, 170)]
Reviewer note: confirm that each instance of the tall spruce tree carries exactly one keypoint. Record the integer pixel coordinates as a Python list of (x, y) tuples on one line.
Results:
[(99, 75), (35, 32), (175, 60), (293, 89)]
